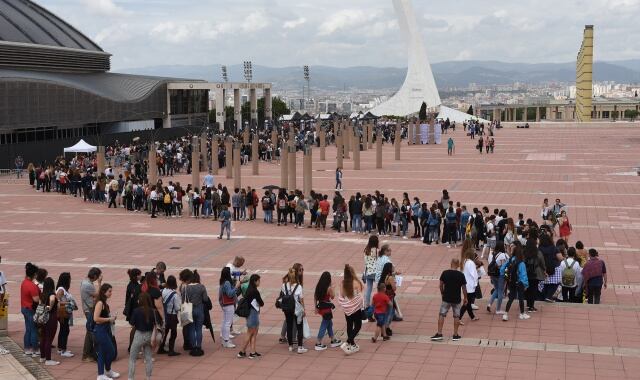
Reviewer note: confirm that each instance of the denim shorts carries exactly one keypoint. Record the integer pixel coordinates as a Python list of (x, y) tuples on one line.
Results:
[(253, 320), (445, 306), (381, 319)]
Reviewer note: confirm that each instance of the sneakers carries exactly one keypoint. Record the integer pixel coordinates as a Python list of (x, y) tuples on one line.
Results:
[(456, 338), (282, 341), (302, 350), (499, 312), (335, 343), (320, 347), (66, 354), (524, 316), (474, 306), (549, 300), (173, 353), (228, 344), (241, 355), (505, 317), (112, 374), (389, 331), (290, 348), (355, 348), (28, 353), (104, 377), (346, 347), (386, 338), (254, 355), (437, 338)]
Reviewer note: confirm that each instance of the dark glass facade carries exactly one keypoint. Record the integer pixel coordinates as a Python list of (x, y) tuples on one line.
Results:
[(189, 101)]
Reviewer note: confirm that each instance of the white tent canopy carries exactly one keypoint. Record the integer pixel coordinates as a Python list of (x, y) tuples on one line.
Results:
[(81, 147), (458, 116)]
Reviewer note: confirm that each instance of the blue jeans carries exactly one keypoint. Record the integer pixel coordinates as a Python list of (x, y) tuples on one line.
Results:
[(498, 291), (268, 216), (104, 347), (326, 326), (30, 331), (390, 314), (356, 223), (370, 279), (206, 208), (196, 326), (404, 226)]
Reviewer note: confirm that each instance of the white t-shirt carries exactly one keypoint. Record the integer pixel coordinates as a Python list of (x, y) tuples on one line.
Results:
[(297, 295), (500, 259), (471, 275)]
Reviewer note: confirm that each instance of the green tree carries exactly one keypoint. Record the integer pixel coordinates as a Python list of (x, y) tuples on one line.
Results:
[(470, 110), (423, 112), (631, 114), (278, 108)]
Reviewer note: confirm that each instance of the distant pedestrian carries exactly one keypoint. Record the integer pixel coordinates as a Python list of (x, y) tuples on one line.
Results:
[(594, 276), (225, 220), (451, 147), (338, 178)]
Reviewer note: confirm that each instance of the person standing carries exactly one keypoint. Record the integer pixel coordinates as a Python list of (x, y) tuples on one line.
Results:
[(323, 296), (515, 271), (370, 268), (196, 294), (451, 147), (571, 275), (48, 330), (103, 320), (29, 296), (66, 307), (227, 299), (225, 222), (171, 302), (470, 271), (350, 301), (338, 178), (594, 275), (88, 295), (253, 321), (143, 322), (452, 284)]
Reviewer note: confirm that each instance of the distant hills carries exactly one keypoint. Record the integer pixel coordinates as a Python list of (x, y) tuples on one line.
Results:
[(447, 74)]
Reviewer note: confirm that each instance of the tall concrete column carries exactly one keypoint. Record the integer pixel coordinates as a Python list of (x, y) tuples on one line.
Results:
[(215, 143), (412, 134), (525, 115), (307, 170), (284, 163), (220, 114), (228, 157), (245, 135), (100, 160), (268, 104), (152, 171), (416, 134), (292, 162), (397, 141), (237, 110), (356, 148), (378, 149), (166, 120), (274, 138), (323, 143), (253, 106), (255, 155), (370, 133), (346, 139), (365, 136), (537, 114), (237, 166), (339, 148), (203, 152), (195, 162)]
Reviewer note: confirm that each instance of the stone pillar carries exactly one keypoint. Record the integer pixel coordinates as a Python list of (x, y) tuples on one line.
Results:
[(237, 110), (323, 143), (346, 139), (268, 113), (339, 147), (228, 157), (292, 162), (537, 114), (274, 138), (365, 136), (284, 163), (245, 135), (166, 121), (253, 106), (195, 162), (203, 152), (237, 166), (524, 116), (397, 141), (255, 155), (416, 135), (370, 133), (356, 148), (152, 172), (215, 142), (99, 161), (378, 149), (307, 170), (220, 114)]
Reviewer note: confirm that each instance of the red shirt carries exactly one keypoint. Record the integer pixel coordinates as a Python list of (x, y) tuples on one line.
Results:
[(28, 290), (380, 303), (324, 206)]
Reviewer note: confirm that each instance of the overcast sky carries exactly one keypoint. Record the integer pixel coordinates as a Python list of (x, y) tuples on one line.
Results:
[(348, 32)]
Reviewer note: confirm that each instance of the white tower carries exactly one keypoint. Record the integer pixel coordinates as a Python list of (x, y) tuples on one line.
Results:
[(419, 85)]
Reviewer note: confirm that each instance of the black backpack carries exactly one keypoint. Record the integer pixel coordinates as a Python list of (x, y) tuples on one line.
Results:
[(286, 302), (242, 310), (493, 270)]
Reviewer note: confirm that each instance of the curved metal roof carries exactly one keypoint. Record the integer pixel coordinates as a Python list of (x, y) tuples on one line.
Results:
[(24, 21)]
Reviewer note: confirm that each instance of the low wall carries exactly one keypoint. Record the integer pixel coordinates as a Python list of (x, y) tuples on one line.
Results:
[(573, 124)]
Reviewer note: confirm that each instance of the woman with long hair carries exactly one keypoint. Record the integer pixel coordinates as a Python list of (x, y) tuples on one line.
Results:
[(370, 261), (131, 298), (143, 321), (227, 299), (518, 282), (66, 306), (350, 300), (470, 270), (536, 268), (48, 330), (294, 317), (102, 332), (323, 306), (172, 302), (150, 285), (253, 321)]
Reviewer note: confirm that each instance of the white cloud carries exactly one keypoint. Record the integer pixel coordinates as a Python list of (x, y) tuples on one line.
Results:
[(347, 18), (254, 22), (105, 8), (292, 24)]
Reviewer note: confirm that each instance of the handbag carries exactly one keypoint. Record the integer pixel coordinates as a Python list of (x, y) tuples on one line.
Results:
[(186, 311), (41, 316), (306, 331), (478, 292)]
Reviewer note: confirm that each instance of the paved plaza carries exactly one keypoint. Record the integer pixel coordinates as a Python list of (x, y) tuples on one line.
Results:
[(589, 169)]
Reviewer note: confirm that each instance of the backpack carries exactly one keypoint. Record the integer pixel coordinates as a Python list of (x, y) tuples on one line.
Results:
[(167, 198), (512, 270), (286, 302), (493, 270), (41, 316), (242, 310), (568, 275), (507, 271), (282, 204), (266, 203)]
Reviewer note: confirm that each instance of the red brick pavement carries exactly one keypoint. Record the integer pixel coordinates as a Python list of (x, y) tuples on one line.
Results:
[(584, 167)]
